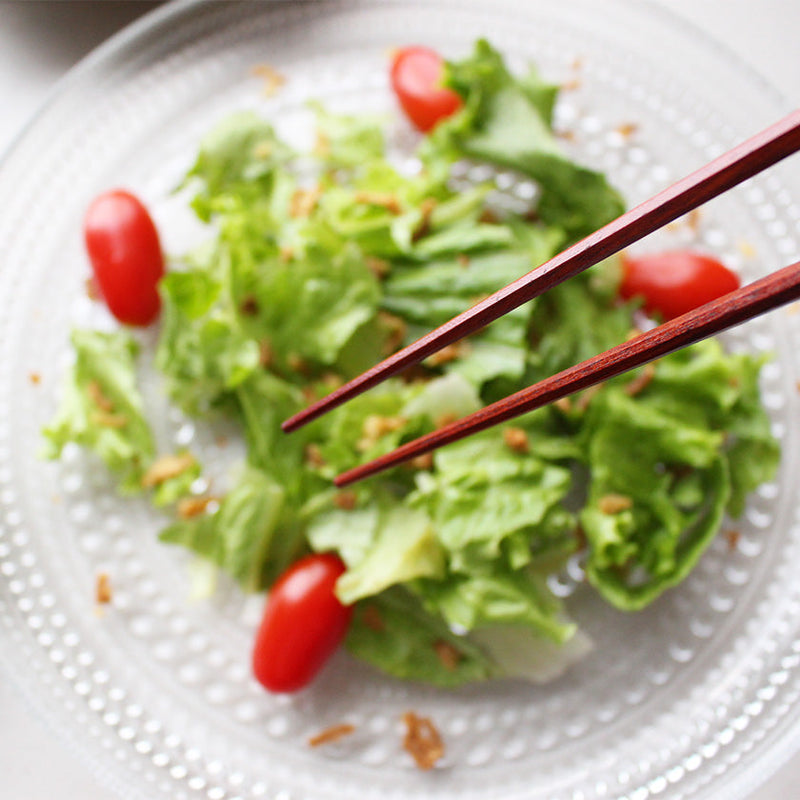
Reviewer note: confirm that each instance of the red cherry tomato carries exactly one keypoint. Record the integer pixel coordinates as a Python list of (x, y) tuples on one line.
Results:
[(675, 282), (416, 77), (125, 254), (302, 626)]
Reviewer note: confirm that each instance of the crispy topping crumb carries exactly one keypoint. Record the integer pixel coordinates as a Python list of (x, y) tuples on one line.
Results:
[(396, 329), (691, 220), (627, 129), (107, 419), (422, 740), (447, 654), (297, 363), (314, 456), (266, 355), (424, 461), (372, 618), (563, 404), (614, 503), (249, 306), (376, 426), (93, 290), (388, 201), (346, 500), (309, 393), (516, 439), (733, 537), (96, 395), (189, 507), (444, 419), (304, 201), (423, 228), (632, 388), (332, 381), (746, 248), (332, 734), (379, 267), (35, 378), (102, 589), (694, 218), (166, 467), (448, 353), (263, 149), (272, 79)]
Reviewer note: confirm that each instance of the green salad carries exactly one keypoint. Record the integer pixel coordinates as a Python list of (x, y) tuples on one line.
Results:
[(318, 264)]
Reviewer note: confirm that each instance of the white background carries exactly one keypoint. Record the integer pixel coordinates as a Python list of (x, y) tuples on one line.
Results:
[(39, 41)]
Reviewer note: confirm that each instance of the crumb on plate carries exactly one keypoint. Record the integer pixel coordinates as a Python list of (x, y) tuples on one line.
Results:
[(422, 740), (272, 79), (332, 734), (102, 589)]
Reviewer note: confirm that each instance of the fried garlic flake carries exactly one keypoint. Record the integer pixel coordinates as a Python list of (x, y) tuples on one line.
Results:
[(422, 740)]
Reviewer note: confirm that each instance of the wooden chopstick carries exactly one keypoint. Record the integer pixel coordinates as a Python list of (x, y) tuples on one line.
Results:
[(749, 301), (726, 171)]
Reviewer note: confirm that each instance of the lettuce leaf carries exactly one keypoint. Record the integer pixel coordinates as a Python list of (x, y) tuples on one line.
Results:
[(252, 536), (397, 635), (101, 408), (398, 544), (658, 490), (507, 121), (201, 351), (305, 308)]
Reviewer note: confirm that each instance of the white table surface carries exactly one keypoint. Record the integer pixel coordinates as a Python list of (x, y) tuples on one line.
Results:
[(40, 40)]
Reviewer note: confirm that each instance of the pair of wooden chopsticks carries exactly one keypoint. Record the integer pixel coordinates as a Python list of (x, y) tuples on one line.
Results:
[(763, 150)]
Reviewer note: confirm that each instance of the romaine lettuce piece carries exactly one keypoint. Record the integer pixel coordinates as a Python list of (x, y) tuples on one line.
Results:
[(507, 122), (397, 545), (397, 635), (202, 352), (305, 309), (239, 157), (252, 536), (101, 407), (642, 538)]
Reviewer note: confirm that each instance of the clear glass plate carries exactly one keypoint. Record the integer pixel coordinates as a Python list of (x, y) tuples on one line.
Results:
[(695, 698)]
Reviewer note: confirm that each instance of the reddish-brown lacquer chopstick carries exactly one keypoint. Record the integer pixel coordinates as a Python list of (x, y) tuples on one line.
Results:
[(750, 301), (747, 159)]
